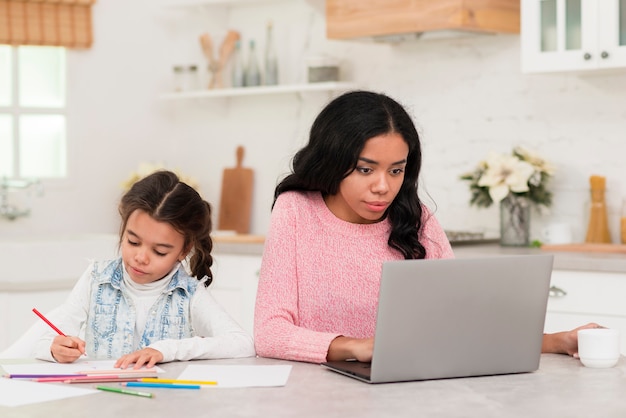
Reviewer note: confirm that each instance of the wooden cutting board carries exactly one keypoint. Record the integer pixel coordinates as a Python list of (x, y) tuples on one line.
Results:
[(586, 247), (236, 197)]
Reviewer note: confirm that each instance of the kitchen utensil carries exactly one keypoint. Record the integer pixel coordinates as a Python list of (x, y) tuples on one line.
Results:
[(207, 49), (226, 50), (217, 64), (598, 230), (236, 197)]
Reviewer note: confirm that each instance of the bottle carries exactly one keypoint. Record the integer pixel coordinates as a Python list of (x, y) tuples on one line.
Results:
[(191, 78), (179, 78), (237, 71), (271, 61), (598, 230), (253, 75), (623, 222)]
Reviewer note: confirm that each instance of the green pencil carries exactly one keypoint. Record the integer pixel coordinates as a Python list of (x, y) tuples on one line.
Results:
[(125, 391)]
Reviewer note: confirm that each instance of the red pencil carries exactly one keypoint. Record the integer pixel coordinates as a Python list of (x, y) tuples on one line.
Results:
[(40, 315)]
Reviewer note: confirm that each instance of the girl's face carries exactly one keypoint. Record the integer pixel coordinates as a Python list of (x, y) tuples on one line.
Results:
[(366, 193), (150, 248)]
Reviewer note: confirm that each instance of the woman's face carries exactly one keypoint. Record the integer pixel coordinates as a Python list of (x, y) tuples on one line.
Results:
[(150, 248), (366, 193)]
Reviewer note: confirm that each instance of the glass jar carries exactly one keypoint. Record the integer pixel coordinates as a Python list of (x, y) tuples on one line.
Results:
[(185, 78)]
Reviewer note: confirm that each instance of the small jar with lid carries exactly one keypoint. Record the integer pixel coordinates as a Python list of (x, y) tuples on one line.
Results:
[(185, 77)]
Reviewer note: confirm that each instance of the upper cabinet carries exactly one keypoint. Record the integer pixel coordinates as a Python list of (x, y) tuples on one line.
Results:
[(346, 19), (566, 35)]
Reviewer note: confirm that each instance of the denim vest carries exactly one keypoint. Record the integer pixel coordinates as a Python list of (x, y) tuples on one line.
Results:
[(110, 325)]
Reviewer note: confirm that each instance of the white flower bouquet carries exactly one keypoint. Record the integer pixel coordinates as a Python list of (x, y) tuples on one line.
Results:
[(520, 174)]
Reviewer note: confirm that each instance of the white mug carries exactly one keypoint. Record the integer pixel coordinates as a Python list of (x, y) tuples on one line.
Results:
[(599, 347), (557, 233)]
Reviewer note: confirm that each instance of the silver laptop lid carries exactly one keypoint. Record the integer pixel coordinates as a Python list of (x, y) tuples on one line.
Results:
[(460, 317)]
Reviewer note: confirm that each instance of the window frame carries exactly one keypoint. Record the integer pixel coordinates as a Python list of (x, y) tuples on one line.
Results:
[(15, 111)]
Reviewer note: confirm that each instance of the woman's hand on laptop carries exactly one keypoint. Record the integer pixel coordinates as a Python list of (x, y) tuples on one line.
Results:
[(565, 342), (345, 348)]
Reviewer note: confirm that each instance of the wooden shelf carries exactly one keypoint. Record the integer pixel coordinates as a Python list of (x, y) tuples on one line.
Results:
[(260, 90)]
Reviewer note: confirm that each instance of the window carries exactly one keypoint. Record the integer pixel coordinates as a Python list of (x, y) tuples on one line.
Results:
[(33, 112)]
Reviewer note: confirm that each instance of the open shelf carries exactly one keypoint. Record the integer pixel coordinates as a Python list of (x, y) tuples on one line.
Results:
[(260, 90), (213, 3)]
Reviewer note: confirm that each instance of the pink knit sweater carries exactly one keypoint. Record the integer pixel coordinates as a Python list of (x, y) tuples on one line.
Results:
[(320, 277)]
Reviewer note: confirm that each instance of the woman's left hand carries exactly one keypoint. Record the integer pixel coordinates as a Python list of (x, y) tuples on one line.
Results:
[(147, 356)]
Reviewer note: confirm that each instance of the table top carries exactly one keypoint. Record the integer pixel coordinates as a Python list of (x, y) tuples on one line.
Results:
[(561, 387)]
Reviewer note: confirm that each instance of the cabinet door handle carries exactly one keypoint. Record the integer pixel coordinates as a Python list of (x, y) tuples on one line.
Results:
[(587, 56), (604, 54), (556, 292)]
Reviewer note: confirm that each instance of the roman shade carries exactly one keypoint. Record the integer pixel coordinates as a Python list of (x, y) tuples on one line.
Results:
[(46, 22)]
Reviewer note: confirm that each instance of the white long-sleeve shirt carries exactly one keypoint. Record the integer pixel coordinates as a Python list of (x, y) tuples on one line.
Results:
[(217, 335)]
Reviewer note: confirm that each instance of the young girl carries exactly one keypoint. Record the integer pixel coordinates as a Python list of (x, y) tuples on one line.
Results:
[(144, 308), (350, 203)]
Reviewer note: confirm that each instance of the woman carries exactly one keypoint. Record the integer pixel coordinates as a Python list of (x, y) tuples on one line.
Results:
[(350, 203)]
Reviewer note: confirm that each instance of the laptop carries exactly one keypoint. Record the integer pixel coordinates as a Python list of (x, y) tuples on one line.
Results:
[(462, 317)]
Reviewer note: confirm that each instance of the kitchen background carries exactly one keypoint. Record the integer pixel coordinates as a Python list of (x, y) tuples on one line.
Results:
[(467, 94)]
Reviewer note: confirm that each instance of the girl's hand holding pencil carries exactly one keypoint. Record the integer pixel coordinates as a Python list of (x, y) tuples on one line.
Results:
[(64, 349)]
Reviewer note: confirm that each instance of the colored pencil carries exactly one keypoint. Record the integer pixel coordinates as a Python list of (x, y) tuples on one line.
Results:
[(40, 315), (160, 385), (125, 391), (42, 376), (85, 378), (107, 380), (119, 371), (191, 382)]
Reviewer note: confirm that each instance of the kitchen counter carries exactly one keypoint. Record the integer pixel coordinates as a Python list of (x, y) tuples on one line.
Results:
[(581, 261), (577, 261), (562, 387)]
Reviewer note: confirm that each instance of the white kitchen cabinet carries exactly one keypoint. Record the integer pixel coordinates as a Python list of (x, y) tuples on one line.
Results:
[(573, 35), (579, 297), (234, 285)]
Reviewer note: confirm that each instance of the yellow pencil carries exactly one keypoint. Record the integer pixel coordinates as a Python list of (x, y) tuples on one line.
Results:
[(191, 382)]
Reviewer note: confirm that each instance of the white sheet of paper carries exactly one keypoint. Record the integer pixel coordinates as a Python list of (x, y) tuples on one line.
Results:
[(18, 392), (61, 368), (238, 376)]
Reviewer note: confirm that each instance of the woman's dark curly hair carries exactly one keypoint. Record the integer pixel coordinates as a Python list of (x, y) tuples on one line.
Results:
[(336, 141)]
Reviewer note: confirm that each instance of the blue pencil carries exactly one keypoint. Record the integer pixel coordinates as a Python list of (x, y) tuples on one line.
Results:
[(160, 385)]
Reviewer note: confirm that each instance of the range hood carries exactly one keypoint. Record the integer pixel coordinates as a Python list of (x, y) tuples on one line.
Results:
[(409, 19)]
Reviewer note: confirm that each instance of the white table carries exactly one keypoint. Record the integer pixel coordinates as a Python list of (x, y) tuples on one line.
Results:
[(561, 387)]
